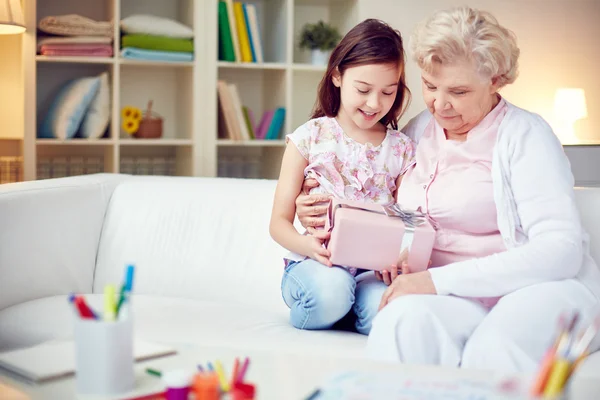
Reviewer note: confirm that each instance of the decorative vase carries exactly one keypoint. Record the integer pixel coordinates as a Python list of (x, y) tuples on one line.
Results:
[(320, 57)]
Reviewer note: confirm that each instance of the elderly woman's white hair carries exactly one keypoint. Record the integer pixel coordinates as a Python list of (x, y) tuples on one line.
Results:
[(466, 33)]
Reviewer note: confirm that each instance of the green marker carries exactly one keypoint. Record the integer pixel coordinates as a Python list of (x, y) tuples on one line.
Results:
[(153, 372)]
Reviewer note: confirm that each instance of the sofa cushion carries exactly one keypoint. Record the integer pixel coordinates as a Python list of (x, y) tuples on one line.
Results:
[(179, 322), (195, 238)]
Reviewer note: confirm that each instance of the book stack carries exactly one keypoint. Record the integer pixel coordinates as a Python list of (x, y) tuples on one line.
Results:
[(239, 37), (236, 121)]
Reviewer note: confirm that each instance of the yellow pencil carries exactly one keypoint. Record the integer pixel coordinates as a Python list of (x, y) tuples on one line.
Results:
[(221, 374)]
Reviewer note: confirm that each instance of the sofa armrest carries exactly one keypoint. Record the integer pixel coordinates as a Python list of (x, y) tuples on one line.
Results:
[(49, 235)]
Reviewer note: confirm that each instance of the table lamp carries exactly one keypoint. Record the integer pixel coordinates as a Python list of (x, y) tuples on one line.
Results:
[(11, 17), (569, 107)]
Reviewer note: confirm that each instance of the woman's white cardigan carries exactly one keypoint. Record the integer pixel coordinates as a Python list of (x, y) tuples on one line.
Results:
[(537, 215)]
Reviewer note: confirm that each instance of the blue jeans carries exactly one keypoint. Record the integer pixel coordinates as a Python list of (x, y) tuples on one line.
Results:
[(319, 296)]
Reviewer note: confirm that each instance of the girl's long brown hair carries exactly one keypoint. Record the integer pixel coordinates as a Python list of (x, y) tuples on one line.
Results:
[(370, 42)]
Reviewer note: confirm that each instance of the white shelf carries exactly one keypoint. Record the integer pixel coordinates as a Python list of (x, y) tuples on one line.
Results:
[(156, 142), (74, 142), (144, 63), (241, 65), (75, 60), (251, 143)]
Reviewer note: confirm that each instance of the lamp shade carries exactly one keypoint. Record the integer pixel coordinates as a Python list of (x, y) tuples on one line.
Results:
[(11, 17), (570, 104)]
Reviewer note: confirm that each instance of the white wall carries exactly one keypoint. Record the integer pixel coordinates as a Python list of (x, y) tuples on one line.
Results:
[(560, 47)]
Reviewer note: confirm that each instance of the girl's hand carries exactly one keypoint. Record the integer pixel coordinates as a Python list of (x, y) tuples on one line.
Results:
[(312, 208), (316, 251), (415, 283)]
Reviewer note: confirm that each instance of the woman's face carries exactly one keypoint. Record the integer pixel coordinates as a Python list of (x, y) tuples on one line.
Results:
[(458, 96)]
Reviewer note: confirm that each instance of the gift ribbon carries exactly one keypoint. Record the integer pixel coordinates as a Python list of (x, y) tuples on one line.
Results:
[(411, 219)]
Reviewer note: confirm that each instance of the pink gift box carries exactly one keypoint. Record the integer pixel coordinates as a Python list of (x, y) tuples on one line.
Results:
[(371, 236)]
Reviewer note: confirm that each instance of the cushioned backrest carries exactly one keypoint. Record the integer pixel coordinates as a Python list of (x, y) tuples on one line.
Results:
[(588, 202), (49, 235), (197, 238)]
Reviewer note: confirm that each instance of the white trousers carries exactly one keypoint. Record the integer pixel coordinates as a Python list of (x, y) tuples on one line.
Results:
[(452, 331)]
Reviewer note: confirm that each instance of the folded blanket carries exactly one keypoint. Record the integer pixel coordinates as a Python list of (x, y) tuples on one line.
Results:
[(155, 55), (92, 50), (151, 42), (73, 40), (75, 25)]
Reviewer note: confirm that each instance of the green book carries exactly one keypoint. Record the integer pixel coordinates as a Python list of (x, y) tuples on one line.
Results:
[(248, 123), (226, 52)]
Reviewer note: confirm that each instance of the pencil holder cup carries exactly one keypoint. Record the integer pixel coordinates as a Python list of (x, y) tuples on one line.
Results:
[(104, 356)]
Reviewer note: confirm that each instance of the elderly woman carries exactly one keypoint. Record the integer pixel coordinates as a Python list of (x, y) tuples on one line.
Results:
[(510, 253)]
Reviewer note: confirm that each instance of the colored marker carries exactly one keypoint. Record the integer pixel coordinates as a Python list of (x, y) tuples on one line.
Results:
[(221, 374), (154, 372), (110, 308), (243, 370), (126, 288), (84, 310), (236, 370)]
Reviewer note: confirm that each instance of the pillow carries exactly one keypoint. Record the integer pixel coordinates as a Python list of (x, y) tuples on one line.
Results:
[(68, 108), (97, 116), (158, 26)]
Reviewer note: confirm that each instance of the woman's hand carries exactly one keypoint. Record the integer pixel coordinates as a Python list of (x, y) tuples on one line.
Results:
[(314, 249), (415, 283), (312, 208)]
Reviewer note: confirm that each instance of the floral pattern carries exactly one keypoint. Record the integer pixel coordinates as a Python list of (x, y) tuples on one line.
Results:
[(348, 169)]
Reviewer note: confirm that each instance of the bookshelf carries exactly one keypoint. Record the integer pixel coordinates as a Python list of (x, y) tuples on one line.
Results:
[(184, 93), (285, 78), (173, 87)]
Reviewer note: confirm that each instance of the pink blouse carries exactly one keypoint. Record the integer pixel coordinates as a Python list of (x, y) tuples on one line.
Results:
[(452, 183)]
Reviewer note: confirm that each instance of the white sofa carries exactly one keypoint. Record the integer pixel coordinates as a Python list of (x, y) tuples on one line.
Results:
[(207, 270)]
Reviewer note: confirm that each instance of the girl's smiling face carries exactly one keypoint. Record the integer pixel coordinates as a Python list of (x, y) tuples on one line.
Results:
[(367, 93)]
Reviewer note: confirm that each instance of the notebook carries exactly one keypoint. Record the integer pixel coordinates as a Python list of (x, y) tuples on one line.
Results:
[(56, 359)]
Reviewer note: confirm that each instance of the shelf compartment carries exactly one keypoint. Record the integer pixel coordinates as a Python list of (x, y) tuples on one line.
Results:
[(259, 90), (273, 24), (51, 77), (249, 162), (170, 89), (178, 10), (96, 10), (63, 160), (343, 14), (178, 160)]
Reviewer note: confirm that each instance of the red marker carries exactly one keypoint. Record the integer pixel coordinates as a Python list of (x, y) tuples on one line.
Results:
[(83, 308)]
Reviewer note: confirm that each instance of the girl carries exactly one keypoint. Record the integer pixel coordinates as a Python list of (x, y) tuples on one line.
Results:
[(351, 146)]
